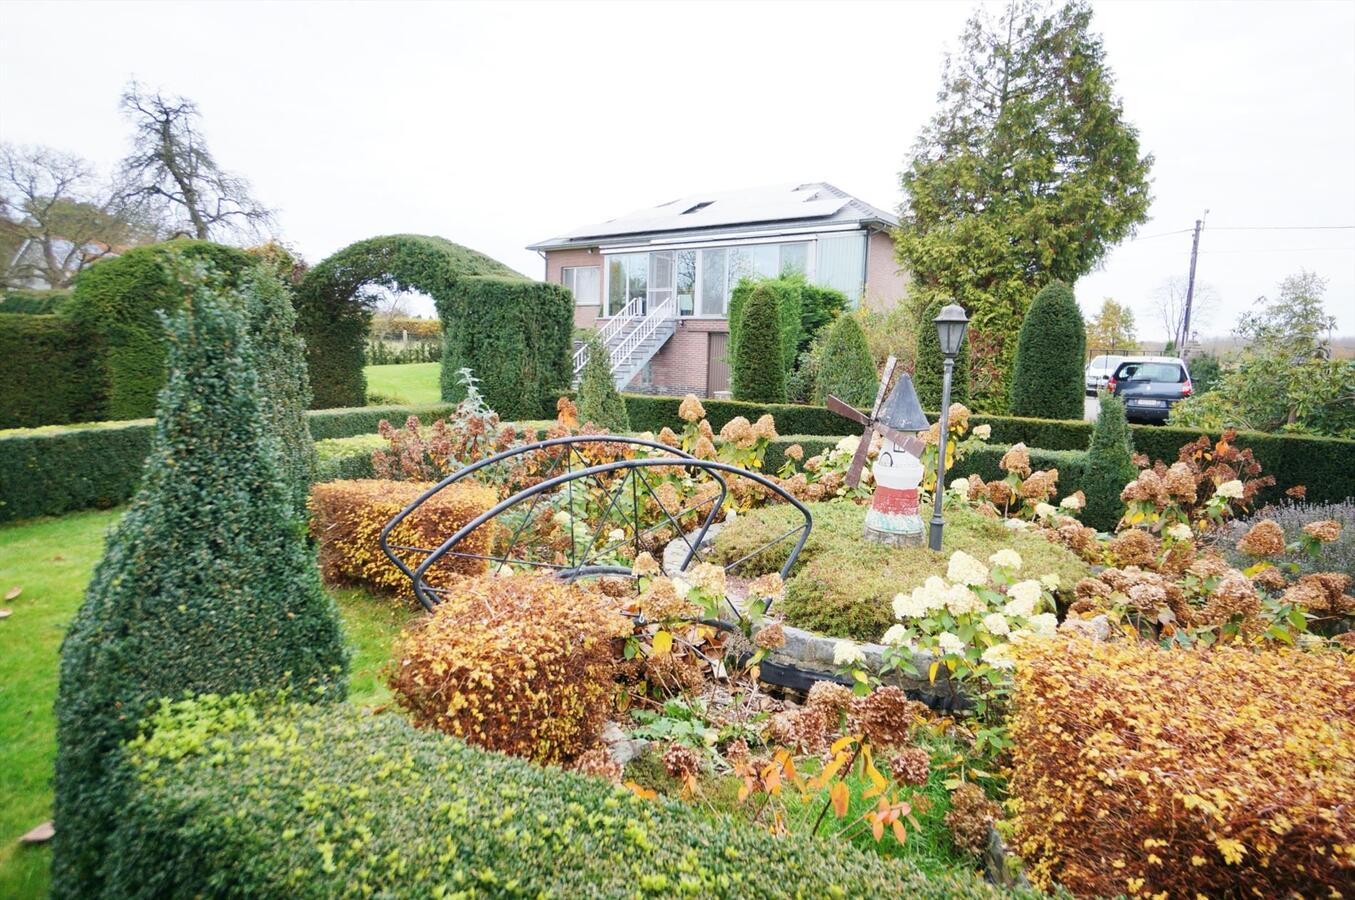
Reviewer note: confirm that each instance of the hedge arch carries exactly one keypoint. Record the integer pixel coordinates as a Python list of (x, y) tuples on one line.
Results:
[(334, 316), (119, 301)]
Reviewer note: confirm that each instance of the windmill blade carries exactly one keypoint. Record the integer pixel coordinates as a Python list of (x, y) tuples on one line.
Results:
[(906, 441), (859, 458), (885, 378), (847, 411)]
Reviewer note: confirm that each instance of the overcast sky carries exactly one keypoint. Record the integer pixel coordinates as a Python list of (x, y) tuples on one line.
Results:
[(496, 125)]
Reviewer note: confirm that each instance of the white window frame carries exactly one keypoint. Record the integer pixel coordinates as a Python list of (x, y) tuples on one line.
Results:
[(567, 271)]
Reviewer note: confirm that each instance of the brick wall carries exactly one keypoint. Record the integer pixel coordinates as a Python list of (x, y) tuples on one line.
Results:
[(584, 316), (681, 365), (886, 283)]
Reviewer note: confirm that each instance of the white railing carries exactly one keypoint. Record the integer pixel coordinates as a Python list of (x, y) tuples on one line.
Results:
[(629, 313), (659, 315)]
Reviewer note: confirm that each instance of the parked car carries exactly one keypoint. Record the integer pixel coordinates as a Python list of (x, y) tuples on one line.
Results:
[(1150, 386), (1099, 371)]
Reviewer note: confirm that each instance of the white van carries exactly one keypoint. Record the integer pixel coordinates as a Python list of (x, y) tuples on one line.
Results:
[(1099, 371)]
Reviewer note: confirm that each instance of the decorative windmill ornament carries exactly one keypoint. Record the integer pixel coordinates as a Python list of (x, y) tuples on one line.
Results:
[(893, 517)]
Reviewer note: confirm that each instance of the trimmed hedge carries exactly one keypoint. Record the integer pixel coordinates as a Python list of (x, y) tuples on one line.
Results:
[(599, 402), (333, 802), (516, 337), (207, 584), (928, 374), (759, 369), (846, 369), (1326, 466), (788, 297), (120, 300), (1048, 381), (334, 316), (48, 371), (33, 303)]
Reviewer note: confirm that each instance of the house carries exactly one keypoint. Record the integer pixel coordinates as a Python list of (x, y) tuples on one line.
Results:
[(656, 282)]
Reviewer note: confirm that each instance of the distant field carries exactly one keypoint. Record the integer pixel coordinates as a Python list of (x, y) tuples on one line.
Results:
[(406, 384)]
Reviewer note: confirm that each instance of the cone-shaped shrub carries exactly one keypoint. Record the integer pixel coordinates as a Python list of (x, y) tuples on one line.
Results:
[(759, 371), (284, 389), (846, 369), (1110, 466), (207, 584), (599, 401), (1048, 382), (929, 369)]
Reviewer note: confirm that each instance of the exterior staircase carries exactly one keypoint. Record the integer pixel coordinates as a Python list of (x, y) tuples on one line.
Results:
[(632, 337)]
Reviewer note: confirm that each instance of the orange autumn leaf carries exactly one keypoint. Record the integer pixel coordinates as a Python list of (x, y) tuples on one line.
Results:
[(840, 797)]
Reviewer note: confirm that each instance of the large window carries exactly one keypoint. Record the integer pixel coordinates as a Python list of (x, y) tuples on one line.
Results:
[(701, 280), (584, 282)]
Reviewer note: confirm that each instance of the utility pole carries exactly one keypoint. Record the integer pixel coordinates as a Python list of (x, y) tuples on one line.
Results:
[(1190, 289)]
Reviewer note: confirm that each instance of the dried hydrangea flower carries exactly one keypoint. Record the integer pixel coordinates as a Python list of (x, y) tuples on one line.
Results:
[(765, 427), (885, 716), (645, 566), (1264, 539), (669, 437), (704, 448), (691, 409), (599, 763), (1270, 578), (681, 762), (971, 815), (771, 637), (831, 698), (1326, 531), (662, 601), (769, 585), (1016, 460), (737, 752), (1180, 483), (1134, 547), (709, 577), (911, 766)]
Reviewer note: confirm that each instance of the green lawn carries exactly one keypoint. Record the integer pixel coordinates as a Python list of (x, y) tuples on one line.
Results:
[(51, 560), (406, 384)]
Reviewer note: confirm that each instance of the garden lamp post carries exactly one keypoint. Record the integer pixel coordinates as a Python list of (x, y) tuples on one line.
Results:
[(950, 328)]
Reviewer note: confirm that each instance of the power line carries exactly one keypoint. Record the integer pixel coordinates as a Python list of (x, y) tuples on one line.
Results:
[(1163, 234), (1282, 228), (1282, 250)]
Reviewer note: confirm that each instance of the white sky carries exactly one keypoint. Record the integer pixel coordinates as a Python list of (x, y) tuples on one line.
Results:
[(496, 125)]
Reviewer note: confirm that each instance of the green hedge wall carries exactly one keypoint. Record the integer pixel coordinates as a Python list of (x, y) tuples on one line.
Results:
[(120, 299), (516, 336), (1326, 466), (48, 372), (334, 316), (337, 802), (33, 303), (788, 296)]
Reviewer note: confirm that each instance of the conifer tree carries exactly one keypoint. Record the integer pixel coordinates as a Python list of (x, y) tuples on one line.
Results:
[(759, 370), (599, 402), (207, 585), (928, 370), (847, 370), (1110, 465), (1050, 355)]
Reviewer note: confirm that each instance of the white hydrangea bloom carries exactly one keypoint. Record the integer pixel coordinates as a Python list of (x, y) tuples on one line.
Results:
[(949, 643), (1045, 624), (961, 601), (1020, 634), (1016, 524), (960, 485), (895, 636), (996, 623), (1007, 558), (1230, 489), (1180, 532), (999, 657), (965, 569), (984, 431), (1044, 510), (1050, 581), (682, 586), (1027, 594), (846, 653), (910, 605), (1072, 501)]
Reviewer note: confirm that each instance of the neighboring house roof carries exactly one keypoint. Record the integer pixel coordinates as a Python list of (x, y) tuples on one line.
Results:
[(771, 209)]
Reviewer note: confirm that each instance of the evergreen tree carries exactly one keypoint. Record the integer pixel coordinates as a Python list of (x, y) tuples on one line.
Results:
[(1029, 172), (1050, 357), (284, 388), (929, 370), (759, 370), (846, 369), (1110, 465), (207, 584), (599, 402)]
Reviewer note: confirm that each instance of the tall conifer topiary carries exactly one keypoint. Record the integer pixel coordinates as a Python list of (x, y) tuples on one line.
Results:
[(599, 402), (207, 584), (928, 371), (759, 370), (1050, 356), (1110, 465), (284, 388), (846, 369)]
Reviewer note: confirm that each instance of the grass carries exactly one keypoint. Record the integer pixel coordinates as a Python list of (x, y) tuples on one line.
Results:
[(843, 586), (405, 384), (52, 559)]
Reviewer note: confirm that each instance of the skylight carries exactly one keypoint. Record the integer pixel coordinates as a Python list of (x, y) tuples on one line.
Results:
[(702, 205)]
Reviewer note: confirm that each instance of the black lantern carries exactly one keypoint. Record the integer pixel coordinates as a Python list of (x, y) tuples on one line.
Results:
[(950, 328)]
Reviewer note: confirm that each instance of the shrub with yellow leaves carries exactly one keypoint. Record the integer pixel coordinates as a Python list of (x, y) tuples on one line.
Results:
[(518, 664), (1142, 771), (347, 518)]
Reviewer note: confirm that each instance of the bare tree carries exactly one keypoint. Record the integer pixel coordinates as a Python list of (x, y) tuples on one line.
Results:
[(171, 170), (1170, 302), (58, 217)]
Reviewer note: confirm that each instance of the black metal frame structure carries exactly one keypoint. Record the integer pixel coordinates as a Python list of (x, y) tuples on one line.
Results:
[(568, 452)]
